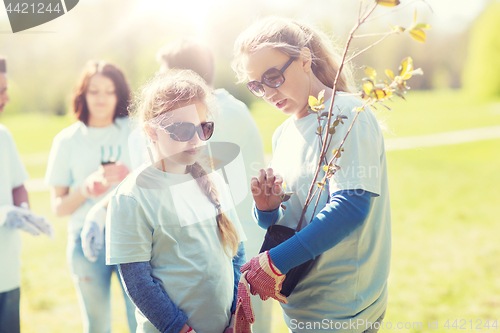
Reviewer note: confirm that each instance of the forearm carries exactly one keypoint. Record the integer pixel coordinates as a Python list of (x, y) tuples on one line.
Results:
[(20, 195), (238, 261), (345, 212), (66, 204), (151, 298)]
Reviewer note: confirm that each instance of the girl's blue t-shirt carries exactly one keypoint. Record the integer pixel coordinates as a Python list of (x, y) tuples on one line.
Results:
[(167, 219)]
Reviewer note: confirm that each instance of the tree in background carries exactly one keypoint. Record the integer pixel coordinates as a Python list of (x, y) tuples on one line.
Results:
[(481, 76)]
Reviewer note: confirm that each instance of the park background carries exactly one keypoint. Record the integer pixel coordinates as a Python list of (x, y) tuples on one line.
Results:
[(444, 197)]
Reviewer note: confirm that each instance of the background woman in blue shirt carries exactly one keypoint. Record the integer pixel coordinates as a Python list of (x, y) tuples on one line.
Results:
[(86, 161)]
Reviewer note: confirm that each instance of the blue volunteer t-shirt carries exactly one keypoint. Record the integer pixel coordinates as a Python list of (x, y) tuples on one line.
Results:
[(78, 151)]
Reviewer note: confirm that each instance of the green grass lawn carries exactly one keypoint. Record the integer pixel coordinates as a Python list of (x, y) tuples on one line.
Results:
[(445, 234), (33, 134), (423, 112), (444, 219)]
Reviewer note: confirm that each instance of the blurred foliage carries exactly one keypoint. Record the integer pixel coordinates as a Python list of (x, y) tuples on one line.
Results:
[(441, 57), (45, 62), (482, 70)]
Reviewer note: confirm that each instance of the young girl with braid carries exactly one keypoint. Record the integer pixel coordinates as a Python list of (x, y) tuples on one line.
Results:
[(284, 62), (172, 228)]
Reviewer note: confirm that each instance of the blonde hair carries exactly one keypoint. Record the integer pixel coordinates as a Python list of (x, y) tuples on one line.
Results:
[(289, 37), (172, 90)]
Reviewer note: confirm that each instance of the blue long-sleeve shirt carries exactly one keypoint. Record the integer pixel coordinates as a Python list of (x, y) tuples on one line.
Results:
[(345, 212), (153, 300)]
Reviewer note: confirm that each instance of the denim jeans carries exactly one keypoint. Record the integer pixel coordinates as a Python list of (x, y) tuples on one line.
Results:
[(9, 311), (92, 282)]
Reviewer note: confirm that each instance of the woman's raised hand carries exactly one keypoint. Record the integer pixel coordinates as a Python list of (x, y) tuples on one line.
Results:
[(267, 189)]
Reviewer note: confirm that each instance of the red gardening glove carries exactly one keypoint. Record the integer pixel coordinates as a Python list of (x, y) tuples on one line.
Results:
[(244, 316), (264, 278)]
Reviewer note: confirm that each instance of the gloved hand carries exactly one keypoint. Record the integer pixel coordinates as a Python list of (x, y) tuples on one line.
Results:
[(92, 234), (244, 316), (22, 218), (264, 278)]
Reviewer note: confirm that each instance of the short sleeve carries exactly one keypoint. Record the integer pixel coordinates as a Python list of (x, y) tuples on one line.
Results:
[(129, 236), (360, 161), (17, 171), (58, 167)]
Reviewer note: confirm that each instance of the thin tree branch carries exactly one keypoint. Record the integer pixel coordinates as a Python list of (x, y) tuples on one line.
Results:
[(322, 154), (370, 35), (370, 46)]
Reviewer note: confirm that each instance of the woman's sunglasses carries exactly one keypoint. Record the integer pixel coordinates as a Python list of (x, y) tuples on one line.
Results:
[(273, 78), (185, 131)]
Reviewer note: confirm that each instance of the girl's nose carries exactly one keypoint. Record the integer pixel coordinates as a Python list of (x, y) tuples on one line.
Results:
[(195, 140)]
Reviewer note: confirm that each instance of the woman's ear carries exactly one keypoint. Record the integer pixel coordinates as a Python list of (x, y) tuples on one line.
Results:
[(306, 59), (151, 132)]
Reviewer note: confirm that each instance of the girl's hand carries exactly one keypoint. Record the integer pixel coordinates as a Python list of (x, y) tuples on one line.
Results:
[(267, 190), (114, 173), (95, 184)]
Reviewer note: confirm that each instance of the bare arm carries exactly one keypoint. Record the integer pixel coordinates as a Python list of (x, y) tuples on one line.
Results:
[(96, 184), (20, 195), (64, 203)]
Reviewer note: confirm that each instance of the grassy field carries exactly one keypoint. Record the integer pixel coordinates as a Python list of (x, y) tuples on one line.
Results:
[(423, 112), (445, 230), (444, 215)]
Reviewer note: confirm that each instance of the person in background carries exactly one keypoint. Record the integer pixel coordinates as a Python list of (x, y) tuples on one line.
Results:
[(87, 160), (14, 216), (234, 124)]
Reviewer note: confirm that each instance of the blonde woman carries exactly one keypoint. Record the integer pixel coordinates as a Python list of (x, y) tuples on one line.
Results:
[(284, 62)]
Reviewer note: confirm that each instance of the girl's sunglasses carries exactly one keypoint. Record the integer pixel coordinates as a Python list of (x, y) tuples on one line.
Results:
[(273, 78), (185, 131)]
